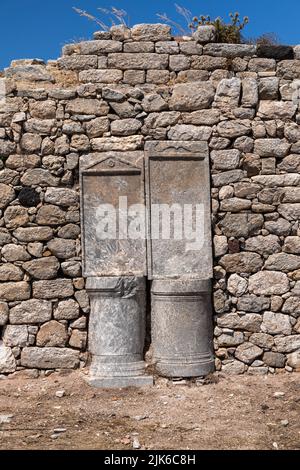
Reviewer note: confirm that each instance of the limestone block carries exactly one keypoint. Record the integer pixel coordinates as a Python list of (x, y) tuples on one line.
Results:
[(32, 234), (249, 92), (78, 62), (56, 288), (283, 262), (30, 143), (274, 359), (145, 46), (97, 127), (268, 88), (164, 47), (179, 62), (253, 303), (234, 368), (208, 63), (248, 352), (262, 65), (151, 32), (10, 272), (138, 61), (43, 268), (290, 211), (241, 262), (7, 194), (227, 177), (61, 196), (289, 69), (237, 285), (97, 47), (276, 109), (267, 245), (280, 227), (62, 248), (290, 164), (241, 225), (52, 334), (3, 313), (7, 360), (248, 322), (67, 310), (231, 129), (204, 34), (101, 76), (229, 50), (276, 323), (50, 215), (287, 344), (235, 204), (39, 176), (189, 132), (268, 283), (125, 127), (32, 73), (292, 306), (262, 340), (205, 117), (31, 311), (192, 96), (13, 291), (228, 92), (123, 144), (88, 106), (15, 336)]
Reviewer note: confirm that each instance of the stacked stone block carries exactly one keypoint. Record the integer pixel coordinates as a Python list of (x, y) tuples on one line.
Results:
[(114, 93)]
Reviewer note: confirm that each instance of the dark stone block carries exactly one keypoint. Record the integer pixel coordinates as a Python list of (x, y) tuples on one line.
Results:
[(275, 52), (29, 197)]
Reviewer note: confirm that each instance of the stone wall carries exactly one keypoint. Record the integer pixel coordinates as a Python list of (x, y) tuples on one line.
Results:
[(114, 93)]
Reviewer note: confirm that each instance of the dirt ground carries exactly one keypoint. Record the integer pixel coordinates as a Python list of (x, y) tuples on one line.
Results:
[(251, 412)]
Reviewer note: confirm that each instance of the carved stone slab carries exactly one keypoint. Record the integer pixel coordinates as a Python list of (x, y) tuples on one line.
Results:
[(105, 178), (178, 173)]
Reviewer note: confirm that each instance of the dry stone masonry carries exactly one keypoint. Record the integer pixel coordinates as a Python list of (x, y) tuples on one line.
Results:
[(113, 94)]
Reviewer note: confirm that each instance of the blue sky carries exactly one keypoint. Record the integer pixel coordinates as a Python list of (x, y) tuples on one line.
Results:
[(39, 28)]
